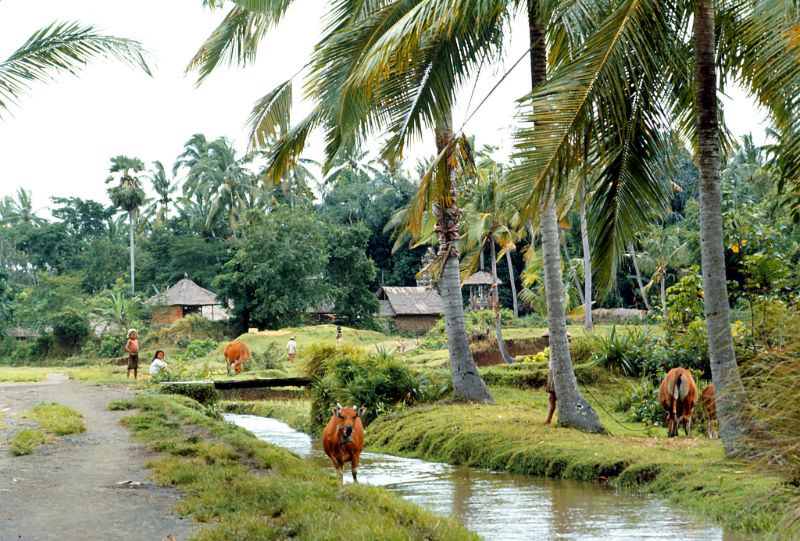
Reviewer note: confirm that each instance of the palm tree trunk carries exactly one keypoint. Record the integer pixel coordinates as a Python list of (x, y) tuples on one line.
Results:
[(498, 324), (732, 404), (568, 259), (587, 264), (639, 281), (663, 291), (512, 282), (467, 382), (573, 410), (133, 261)]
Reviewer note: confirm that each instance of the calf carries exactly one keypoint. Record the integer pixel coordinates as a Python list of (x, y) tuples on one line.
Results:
[(235, 354), (678, 395), (709, 401), (343, 439)]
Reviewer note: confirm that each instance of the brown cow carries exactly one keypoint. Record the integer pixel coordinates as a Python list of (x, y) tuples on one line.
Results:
[(678, 395), (343, 439), (709, 401), (235, 354)]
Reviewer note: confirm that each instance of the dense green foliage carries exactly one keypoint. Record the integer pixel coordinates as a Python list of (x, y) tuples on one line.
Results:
[(377, 381)]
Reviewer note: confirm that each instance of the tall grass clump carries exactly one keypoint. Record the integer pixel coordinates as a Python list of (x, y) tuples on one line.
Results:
[(25, 441), (377, 381), (57, 419)]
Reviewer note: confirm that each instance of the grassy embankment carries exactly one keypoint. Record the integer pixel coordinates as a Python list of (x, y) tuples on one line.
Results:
[(243, 488), (53, 420), (510, 436)]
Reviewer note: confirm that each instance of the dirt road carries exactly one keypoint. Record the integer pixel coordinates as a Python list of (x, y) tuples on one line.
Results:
[(87, 487)]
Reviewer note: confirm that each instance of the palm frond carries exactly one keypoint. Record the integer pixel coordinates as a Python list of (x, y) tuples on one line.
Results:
[(271, 115), (285, 153), (587, 100), (61, 47), (234, 41)]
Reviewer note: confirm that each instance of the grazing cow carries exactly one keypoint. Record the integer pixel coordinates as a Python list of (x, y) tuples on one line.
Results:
[(678, 395), (709, 401), (235, 354), (343, 438)]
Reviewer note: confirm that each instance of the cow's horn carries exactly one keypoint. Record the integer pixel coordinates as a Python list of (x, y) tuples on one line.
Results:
[(338, 405)]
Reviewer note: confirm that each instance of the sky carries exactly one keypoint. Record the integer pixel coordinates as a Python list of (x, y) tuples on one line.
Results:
[(58, 142)]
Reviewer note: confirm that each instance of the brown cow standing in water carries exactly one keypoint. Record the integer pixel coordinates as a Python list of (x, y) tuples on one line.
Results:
[(709, 401), (343, 439), (235, 354), (678, 395)]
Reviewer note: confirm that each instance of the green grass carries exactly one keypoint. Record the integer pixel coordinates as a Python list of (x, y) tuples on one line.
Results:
[(295, 413), (510, 436), (57, 419), (26, 441), (277, 494)]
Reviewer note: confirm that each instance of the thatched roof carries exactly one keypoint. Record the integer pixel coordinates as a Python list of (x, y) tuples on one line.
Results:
[(409, 301), (184, 293), (480, 278)]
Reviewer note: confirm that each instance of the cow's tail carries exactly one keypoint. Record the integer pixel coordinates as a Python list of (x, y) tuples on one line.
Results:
[(677, 393)]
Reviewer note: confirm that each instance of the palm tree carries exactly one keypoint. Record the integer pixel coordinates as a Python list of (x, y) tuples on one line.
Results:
[(732, 403), (128, 196), (60, 47), (637, 65), (216, 181), (164, 188), (20, 211), (346, 115), (662, 251), (488, 222)]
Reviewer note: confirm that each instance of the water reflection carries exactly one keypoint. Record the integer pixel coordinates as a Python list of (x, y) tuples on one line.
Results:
[(507, 507)]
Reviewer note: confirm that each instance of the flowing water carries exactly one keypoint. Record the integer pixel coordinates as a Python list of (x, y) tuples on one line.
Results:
[(506, 507)]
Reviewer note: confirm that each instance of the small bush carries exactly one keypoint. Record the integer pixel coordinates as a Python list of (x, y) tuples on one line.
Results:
[(269, 359), (26, 441), (641, 402), (625, 352), (199, 348), (581, 349), (111, 345), (376, 381)]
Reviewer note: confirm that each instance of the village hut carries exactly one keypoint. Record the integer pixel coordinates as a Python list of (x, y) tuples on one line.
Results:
[(183, 299), (411, 309), (480, 290)]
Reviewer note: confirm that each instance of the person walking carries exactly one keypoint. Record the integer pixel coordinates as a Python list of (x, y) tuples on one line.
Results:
[(338, 336), (291, 349), (132, 347)]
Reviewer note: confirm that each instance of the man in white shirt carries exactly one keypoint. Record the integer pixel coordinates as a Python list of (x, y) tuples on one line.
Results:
[(158, 363), (291, 349)]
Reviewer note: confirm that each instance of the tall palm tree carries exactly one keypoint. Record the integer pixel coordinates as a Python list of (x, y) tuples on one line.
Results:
[(164, 188), (216, 180), (20, 211), (732, 403), (128, 196), (60, 47), (426, 91), (594, 91)]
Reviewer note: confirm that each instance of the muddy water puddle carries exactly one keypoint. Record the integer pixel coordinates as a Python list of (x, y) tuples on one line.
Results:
[(505, 507)]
